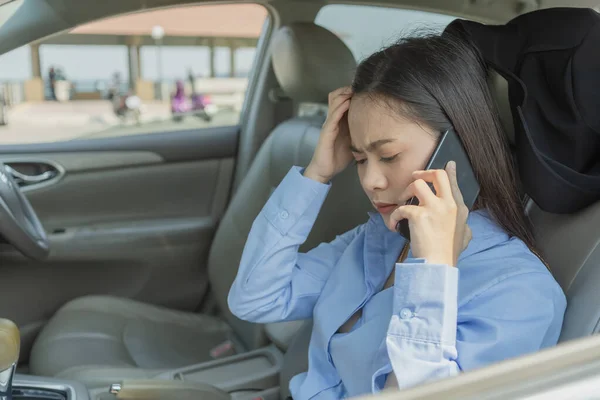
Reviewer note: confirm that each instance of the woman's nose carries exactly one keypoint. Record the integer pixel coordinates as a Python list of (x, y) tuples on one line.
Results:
[(374, 179)]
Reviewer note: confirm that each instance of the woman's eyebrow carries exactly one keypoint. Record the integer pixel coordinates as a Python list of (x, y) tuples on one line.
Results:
[(372, 146)]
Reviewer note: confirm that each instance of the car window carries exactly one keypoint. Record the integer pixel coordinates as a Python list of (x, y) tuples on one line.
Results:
[(366, 29), (181, 68)]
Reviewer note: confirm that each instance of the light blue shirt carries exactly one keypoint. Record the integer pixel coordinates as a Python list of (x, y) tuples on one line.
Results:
[(431, 324)]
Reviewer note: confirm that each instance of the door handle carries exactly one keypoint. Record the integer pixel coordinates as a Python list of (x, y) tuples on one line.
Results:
[(24, 179)]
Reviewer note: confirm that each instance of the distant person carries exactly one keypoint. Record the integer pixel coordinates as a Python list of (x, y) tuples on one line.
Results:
[(179, 94), (63, 90), (59, 75), (52, 80), (191, 78), (115, 86)]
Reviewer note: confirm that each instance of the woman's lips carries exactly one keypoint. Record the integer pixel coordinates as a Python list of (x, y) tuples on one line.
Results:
[(385, 208)]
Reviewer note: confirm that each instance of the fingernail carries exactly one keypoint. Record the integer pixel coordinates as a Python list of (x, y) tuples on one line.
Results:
[(451, 165)]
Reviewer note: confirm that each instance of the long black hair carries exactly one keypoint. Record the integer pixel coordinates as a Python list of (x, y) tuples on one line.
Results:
[(441, 81)]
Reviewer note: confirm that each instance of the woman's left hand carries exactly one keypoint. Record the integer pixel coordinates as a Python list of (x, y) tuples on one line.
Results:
[(438, 225)]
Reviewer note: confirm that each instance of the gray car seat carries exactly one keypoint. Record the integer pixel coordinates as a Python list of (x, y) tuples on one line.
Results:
[(99, 339), (570, 243)]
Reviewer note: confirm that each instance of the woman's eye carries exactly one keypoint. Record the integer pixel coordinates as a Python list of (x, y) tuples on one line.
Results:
[(389, 159), (359, 162)]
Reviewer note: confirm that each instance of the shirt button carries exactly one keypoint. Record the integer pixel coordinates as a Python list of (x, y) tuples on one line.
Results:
[(405, 313), (284, 214)]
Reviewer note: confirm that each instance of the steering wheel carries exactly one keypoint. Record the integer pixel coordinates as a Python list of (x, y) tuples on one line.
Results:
[(19, 223)]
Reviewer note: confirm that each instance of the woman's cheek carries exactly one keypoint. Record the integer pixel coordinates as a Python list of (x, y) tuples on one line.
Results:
[(403, 177)]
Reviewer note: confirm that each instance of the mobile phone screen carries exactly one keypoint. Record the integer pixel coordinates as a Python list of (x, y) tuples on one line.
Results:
[(449, 148)]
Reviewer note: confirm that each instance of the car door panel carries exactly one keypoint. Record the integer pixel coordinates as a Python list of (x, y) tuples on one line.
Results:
[(136, 222)]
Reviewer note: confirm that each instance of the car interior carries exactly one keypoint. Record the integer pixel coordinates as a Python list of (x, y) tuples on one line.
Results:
[(145, 233)]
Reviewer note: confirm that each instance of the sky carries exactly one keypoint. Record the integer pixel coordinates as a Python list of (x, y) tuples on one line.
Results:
[(364, 29)]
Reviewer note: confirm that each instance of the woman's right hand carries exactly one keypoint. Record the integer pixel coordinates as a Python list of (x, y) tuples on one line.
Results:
[(332, 154)]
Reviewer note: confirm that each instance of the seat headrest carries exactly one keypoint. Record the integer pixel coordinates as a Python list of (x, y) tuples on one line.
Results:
[(310, 62)]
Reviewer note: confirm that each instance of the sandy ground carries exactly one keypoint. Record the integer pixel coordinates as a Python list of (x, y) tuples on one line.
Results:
[(52, 121)]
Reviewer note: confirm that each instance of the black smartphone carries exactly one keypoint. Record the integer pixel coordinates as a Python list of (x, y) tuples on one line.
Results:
[(449, 148)]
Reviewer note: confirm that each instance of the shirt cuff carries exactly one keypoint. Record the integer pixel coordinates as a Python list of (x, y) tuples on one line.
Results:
[(425, 302), (295, 197)]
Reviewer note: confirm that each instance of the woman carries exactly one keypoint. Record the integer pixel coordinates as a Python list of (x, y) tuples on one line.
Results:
[(387, 312)]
